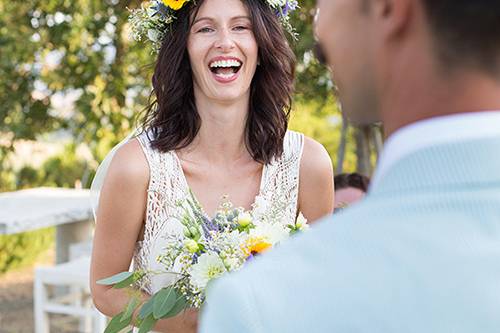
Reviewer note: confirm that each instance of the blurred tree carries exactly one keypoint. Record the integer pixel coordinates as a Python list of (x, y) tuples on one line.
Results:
[(53, 51), (313, 80), (57, 49)]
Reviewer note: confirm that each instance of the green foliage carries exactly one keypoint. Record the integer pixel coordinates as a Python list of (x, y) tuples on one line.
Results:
[(24, 114), (63, 170), (147, 324), (7, 180), (132, 305), (164, 301), (116, 325), (167, 302), (27, 177), (57, 48), (117, 278), (322, 121), (22, 249), (313, 80)]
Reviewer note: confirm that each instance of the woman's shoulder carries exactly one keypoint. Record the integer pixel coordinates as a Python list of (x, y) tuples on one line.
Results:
[(311, 153), (316, 181), (129, 163), (315, 164), (314, 156)]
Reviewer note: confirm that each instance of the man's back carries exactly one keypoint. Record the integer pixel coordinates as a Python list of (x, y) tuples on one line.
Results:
[(420, 254)]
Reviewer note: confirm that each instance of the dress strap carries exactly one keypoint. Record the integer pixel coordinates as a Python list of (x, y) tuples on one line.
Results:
[(281, 178), (164, 185)]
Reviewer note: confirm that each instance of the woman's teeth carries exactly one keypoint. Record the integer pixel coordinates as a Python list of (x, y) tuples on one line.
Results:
[(225, 63), (225, 69)]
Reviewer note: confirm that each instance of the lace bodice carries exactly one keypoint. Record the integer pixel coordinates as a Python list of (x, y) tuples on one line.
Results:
[(279, 189)]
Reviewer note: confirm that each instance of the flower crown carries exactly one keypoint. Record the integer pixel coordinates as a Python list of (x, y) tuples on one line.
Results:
[(153, 20)]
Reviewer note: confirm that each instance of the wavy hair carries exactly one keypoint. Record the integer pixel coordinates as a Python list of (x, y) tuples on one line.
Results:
[(172, 117)]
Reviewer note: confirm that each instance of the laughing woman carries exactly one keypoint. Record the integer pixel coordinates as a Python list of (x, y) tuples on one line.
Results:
[(223, 84)]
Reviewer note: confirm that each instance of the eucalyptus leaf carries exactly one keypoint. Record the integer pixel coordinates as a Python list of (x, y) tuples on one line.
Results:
[(146, 309), (180, 305), (117, 278), (131, 306), (164, 301), (147, 324), (116, 324), (125, 283)]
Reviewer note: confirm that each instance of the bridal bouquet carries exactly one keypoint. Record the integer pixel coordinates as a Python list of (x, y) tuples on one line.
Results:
[(207, 250)]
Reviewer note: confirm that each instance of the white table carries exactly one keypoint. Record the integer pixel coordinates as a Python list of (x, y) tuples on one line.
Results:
[(67, 209)]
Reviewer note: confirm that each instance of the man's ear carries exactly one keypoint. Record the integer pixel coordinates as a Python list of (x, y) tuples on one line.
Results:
[(393, 16)]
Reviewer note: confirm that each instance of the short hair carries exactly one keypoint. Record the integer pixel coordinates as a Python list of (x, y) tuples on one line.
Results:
[(467, 33), (355, 180)]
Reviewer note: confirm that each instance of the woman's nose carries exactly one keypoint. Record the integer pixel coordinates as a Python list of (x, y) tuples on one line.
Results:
[(224, 40)]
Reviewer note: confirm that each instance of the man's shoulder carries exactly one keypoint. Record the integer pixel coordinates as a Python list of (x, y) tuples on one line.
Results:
[(334, 238)]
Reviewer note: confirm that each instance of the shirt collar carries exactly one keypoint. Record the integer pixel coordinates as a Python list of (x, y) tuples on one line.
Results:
[(435, 131)]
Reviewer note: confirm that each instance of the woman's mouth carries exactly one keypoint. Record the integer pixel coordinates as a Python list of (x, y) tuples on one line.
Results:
[(225, 69)]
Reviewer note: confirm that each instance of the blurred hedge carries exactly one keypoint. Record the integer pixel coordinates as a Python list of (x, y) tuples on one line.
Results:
[(21, 250)]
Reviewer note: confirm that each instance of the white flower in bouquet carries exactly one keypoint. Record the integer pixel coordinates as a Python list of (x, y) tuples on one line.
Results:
[(208, 267), (301, 223), (271, 233), (191, 245), (153, 35), (244, 219)]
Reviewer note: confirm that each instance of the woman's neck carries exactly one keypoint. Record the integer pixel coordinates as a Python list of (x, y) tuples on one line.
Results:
[(221, 138)]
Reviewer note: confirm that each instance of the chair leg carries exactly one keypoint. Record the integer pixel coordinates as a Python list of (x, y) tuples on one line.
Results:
[(84, 322), (100, 322), (40, 298), (88, 319)]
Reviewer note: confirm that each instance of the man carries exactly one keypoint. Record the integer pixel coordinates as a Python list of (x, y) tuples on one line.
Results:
[(421, 253)]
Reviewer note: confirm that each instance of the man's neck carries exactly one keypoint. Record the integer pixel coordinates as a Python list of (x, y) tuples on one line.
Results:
[(440, 96)]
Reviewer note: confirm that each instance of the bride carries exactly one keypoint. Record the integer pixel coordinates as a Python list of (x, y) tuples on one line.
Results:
[(223, 83)]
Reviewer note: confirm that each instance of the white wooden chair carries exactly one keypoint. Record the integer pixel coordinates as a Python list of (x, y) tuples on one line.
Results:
[(73, 276)]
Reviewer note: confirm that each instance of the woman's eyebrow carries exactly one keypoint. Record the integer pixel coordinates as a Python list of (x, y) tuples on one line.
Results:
[(202, 19), (205, 18)]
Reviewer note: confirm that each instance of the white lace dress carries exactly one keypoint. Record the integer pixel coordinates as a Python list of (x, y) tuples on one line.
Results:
[(278, 189)]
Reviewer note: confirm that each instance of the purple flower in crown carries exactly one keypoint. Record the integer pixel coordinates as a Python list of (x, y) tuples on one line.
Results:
[(289, 6), (159, 8)]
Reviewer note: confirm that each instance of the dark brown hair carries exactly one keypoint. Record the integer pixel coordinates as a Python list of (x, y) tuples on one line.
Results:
[(172, 117), (355, 180)]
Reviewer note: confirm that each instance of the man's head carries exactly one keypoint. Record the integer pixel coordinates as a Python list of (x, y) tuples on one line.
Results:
[(349, 188), (385, 54)]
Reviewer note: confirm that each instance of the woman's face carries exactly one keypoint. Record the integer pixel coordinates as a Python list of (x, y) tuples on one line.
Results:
[(222, 50)]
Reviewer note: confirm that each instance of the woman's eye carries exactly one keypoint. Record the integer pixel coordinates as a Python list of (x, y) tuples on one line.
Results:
[(206, 29), (241, 27)]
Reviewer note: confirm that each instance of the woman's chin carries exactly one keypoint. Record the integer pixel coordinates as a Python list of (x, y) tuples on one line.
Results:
[(228, 97), (228, 94)]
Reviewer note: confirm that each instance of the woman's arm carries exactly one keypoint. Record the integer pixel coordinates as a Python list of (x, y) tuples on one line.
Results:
[(122, 206), (316, 188)]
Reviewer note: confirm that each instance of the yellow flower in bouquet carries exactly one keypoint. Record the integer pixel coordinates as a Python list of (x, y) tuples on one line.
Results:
[(256, 245)]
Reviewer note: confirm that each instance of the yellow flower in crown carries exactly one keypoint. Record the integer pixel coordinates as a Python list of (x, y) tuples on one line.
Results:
[(174, 4)]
